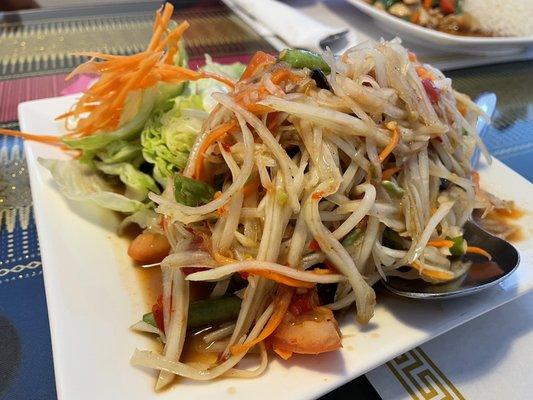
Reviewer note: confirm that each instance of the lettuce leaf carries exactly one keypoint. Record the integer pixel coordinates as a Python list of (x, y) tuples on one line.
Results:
[(169, 135), (138, 184), (171, 130), (120, 151), (78, 181), (206, 87)]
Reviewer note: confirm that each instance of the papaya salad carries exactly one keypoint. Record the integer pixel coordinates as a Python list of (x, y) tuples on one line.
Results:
[(286, 189)]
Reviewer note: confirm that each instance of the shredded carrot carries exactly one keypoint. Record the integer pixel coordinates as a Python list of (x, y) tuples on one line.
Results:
[(224, 79), (282, 353), (423, 73), (160, 24), (427, 4), (281, 305), (277, 277), (389, 172), (475, 179), (440, 243), (439, 275), (394, 140), (478, 250), (216, 134), (258, 61), (28, 136), (412, 57)]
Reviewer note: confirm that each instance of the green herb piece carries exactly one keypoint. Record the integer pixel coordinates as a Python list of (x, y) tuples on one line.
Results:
[(191, 192), (149, 319), (387, 3), (352, 237), (393, 189)]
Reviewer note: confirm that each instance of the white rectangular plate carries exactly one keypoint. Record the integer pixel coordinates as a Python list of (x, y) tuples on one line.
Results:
[(444, 41), (94, 295)]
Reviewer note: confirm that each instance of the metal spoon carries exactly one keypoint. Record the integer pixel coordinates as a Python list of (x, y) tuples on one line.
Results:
[(482, 274), (335, 42)]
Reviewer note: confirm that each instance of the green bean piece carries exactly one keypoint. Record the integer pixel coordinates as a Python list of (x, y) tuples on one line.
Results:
[(207, 312), (298, 58), (459, 246), (393, 189), (213, 311)]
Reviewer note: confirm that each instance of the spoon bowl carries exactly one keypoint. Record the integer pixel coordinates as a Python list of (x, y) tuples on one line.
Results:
[(481, 275)]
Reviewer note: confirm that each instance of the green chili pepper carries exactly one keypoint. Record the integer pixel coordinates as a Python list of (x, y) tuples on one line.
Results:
[(459, 246), (393, 189), (298, 58), (207, 312), (352, 237), (213, 311)]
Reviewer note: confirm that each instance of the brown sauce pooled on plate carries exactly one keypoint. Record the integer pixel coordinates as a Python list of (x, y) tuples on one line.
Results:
[(150, 283)]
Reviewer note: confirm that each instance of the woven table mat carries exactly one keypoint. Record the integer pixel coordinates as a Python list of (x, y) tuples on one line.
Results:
[(44, 43)]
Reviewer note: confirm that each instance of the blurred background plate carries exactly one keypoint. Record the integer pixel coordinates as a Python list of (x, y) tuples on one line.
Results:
[(443, 41)]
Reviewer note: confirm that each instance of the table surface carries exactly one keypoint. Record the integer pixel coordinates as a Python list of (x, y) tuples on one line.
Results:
[(35, 55)]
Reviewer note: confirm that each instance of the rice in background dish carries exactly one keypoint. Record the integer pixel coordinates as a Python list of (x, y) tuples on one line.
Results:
[(502, 17)]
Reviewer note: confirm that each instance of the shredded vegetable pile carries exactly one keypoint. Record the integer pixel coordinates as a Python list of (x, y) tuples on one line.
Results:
[(286, 194), (303, 190)]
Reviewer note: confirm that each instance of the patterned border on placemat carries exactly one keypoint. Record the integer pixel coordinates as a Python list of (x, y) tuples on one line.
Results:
[(422, 379), (19, 245)]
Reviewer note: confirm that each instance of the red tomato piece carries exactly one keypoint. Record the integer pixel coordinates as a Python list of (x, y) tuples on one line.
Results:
[(431, 90)]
